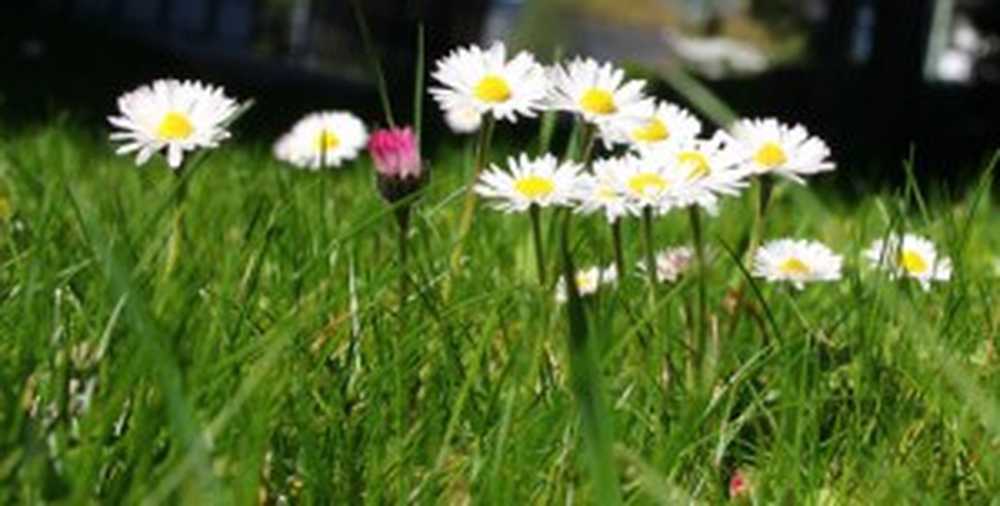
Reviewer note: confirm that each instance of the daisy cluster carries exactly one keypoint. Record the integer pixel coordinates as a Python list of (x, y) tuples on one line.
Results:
[(660, 158), (657, 156)]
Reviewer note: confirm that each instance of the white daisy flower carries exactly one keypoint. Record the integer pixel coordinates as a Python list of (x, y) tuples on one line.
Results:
[(172, 115), (668, 124), (711, 167), (588, 281), (597, 192), (541, 181), (601, 95), (322, 139), (643, 183), (797, 262), (488, 82), (789, 151), (913, 257), (671, 263), (463, 119)]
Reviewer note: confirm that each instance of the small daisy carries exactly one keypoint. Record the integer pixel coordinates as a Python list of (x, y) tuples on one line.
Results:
[(588, 281), (789, 151), (913, 256), (671, 263), (601, 95), (711, 167), (796, 261), (490, 83), (668, 124), (172, 115), (541, 182), (323, 139), (643, 182), (597, 192)]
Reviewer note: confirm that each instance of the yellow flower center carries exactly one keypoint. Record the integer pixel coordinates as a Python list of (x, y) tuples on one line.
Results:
[(174, 126), (586, 283), (327, 141), (493, 89), (696, 163), (598, 101), (794, 267), (646, 183), (770, 155), (535, 187), (913, 262), (654, 131)]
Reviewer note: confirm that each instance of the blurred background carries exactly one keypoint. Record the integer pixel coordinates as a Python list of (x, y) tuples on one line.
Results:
[(875, 78)]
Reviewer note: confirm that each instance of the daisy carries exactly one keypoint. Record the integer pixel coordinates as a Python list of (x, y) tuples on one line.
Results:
[(597, 192), (490, 83), (541, 182), (789, 151), (601, 96), (913, 256), (667, 124), (588, 281), (643, 182), (323, 139), (796, 261), (671, 263), (172, 115), (710, 166)]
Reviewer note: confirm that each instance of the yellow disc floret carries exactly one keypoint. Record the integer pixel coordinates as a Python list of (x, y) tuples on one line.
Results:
[(913, 262), (327, 141), (646, 183), (794, 267), (653, 131), (534, 187), (492, 89), (174, 126), (770, 156), (598, 101), (696, 163)]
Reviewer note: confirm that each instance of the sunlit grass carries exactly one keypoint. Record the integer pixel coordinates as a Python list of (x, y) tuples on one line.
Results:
[(277, 359)]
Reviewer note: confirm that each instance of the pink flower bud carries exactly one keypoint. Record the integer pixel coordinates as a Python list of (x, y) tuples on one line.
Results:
[(739, 485), (396, 153)]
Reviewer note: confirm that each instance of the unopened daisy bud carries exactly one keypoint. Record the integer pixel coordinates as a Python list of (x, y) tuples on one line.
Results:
[(739, 486), (396, 153)]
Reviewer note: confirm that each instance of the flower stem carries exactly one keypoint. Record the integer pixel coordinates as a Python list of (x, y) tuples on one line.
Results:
[(698, 333), (588, 138), (536, 231), (763, 187), (403, 220), (174, 243), (616, 237), (465, 223), (647, 234)]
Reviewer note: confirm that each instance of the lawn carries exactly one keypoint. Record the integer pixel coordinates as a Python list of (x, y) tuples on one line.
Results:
[(273, 359)]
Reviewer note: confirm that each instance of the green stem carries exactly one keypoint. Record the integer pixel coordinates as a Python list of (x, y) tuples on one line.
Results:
[(174, 243), (699, 332), (536, 231), (763, 187), (616, 237), (588, 138), (403, 220), (465, 223), (647, 234)]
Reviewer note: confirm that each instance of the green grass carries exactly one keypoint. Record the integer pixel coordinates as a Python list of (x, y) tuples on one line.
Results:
[(276, 360)]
